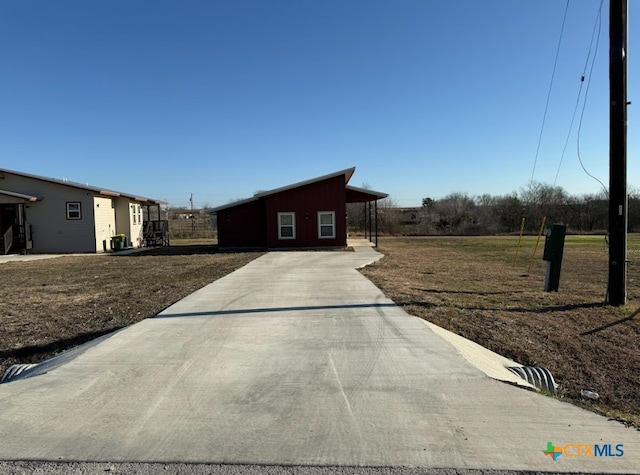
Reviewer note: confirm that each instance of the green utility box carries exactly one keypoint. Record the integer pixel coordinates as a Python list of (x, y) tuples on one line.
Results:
[(118, 242), (553, 250)]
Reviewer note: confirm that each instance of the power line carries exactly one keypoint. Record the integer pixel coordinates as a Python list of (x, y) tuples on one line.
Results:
[(586, 95), (546, 108), (595, 35), (573, 118)]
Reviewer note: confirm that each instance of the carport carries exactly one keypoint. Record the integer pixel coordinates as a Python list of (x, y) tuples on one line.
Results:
[(366, 197)]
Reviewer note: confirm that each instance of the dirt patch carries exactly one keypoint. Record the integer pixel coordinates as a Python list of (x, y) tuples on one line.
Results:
[(47, 306), (469, 285)]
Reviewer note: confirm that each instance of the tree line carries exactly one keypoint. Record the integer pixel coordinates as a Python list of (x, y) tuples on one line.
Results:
[(461, 214)]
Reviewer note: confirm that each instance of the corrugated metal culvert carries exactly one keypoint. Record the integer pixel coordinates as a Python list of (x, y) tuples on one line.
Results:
[(14, 371), (540, 377)]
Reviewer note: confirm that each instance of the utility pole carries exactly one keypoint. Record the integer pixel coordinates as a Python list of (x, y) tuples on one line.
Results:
[(617, 290), (193, 223)]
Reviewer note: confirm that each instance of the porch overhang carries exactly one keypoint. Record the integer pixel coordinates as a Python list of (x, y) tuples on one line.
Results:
[(363, 195), (20, 196), (366, 196), (149, 201), (138, 199)]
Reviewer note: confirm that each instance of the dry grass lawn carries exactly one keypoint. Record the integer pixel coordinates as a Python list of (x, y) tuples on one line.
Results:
[(47, 306), (470, 286)]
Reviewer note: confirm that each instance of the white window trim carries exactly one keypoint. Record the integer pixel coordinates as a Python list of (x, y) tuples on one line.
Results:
[(293, 225), (69, 211), (333, 225)]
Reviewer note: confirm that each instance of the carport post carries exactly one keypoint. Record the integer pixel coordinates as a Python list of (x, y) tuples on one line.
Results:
[(367, 230), (376, 206), (364, 214), (370, 224)]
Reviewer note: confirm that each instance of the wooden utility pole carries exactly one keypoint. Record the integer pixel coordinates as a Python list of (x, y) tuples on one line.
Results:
[(192, 216), (617, 290)]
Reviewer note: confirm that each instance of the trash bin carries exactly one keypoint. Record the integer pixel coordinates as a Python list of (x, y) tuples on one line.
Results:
[(118, 241)]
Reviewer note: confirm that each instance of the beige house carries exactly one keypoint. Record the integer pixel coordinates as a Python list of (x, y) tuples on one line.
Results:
[(47, 215)]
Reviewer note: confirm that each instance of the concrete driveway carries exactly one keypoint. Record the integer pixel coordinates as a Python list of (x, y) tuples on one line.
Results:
[(295, 359), (28, 257)]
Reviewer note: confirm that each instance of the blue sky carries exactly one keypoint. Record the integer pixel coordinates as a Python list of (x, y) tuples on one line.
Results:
[(224, 98)]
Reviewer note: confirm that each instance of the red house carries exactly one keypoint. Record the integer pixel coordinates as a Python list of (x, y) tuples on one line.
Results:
[(309, 214)]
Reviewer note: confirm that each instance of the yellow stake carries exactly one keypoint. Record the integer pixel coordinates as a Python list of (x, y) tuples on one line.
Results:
[(519, 239), (544, 220)]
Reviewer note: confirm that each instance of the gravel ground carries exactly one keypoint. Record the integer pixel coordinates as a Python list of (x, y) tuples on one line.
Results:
[(90, 468)]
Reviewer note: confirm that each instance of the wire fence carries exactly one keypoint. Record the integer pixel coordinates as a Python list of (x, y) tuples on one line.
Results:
[(196, 226)]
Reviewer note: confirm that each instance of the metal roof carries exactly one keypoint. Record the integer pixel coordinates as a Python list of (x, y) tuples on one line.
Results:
[(373, 195), (347, 172), (94, 189)]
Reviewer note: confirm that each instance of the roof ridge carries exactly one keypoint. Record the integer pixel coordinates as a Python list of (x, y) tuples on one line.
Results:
[(348, 172)]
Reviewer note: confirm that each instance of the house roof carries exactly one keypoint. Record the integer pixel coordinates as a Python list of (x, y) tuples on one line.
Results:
[(347, 172), (65, 182), (21, 196)]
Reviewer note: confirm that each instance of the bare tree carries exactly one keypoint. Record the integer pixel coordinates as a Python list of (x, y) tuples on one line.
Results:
[(543, 200), (389, 216), (457, 214)]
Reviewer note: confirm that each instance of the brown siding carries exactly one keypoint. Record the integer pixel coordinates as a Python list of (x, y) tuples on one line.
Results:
[(242, 226), (305, 202)]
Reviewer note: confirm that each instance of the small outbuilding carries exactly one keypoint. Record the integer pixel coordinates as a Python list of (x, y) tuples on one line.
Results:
[(47, 215), (308, 214)]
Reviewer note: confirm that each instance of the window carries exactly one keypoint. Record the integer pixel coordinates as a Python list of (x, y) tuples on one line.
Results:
[(286, 225), (139, 215), (326, 224), (133, 212), (74, 211)]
